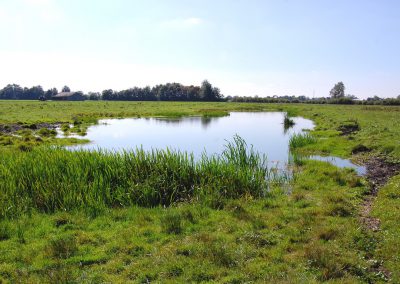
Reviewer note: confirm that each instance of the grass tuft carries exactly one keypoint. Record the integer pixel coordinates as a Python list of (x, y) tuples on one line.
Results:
[(301, 140), (172, 223)]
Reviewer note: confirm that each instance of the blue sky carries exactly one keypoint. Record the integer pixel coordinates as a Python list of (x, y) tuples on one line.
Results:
[(281, 47)]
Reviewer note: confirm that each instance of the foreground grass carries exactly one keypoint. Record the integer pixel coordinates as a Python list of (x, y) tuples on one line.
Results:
[(51, 179), (281, 238), (387, 209)]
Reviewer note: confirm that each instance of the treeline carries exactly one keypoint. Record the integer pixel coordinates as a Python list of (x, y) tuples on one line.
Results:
[(348, 100), (16, 92), (179, 92), (163, 92)]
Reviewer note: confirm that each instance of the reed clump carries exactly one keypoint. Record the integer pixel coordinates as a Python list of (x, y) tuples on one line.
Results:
[(52, 179), (288, 121), (301, 140)]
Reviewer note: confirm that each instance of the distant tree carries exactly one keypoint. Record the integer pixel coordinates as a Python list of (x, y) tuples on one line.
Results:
[(66, 89), (337, 91), (94, 96), (108, 95), (51, 92), (33, 93), (351, 97), (206, 91), (216, 94), (11, 92)]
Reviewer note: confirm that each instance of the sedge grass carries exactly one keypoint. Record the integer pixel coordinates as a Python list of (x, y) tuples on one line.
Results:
[(301, 140), (52, 179)]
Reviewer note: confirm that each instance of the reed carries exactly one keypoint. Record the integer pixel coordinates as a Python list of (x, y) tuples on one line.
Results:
[(288, 121), (301, 140), (51, 179)]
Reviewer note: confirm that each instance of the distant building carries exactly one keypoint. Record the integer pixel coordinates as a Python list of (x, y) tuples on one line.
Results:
[(68, 96)]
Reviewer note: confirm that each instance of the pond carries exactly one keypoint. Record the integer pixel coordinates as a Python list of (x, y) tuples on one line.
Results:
[(197, 135), (263, 130)]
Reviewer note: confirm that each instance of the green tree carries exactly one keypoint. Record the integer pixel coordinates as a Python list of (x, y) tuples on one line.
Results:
[(66, 89), (206, 91), (337, 91)]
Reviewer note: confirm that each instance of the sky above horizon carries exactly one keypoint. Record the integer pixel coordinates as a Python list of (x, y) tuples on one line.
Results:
[(246, 48)]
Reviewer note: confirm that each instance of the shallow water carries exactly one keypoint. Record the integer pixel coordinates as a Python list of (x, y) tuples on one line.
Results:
[(341, 163), (263, 130)]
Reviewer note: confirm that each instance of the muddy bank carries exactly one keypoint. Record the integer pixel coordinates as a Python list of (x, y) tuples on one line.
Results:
[(379, 172), (11, 128)]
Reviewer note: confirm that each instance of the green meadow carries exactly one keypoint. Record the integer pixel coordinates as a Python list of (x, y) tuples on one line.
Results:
[(163, 217)]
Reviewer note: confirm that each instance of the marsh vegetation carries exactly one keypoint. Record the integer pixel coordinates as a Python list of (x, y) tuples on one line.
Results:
[(110, 216)]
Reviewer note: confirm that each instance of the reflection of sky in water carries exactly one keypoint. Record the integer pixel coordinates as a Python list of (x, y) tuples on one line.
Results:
[(341, 163), (264, 130)]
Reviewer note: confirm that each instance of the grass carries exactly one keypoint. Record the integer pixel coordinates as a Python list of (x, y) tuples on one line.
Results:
[(275, 239), (51, 179), (300, 140), (387, 209), (81, 217), (377, 125)]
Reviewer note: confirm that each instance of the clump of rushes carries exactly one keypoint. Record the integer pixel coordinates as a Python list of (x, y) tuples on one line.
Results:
[(288, 121), (47, 132), (301, 140), (65, 127), (51, 179)]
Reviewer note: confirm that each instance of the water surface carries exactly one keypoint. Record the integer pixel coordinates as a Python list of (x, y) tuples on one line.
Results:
[(197, 135), (341, 163), (263, 130)]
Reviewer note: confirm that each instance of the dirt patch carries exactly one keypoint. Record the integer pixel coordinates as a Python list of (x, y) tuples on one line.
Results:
[(349, 127), (360, 148), (378, 173)]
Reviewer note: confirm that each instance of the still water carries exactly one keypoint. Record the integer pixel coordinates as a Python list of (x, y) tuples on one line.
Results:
[(197, 135), (263, 130)]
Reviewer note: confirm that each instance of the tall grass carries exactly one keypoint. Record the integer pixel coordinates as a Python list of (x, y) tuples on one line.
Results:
[(51, 179), (301, 140)]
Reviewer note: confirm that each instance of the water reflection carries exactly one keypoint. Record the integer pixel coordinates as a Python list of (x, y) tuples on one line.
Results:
[(336, 161), (263, 130), (266, 131), (341, 163), (204, 120)]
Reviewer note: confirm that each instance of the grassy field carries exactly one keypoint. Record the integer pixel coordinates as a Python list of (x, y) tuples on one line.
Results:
[(140, 217), (379, 130)]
